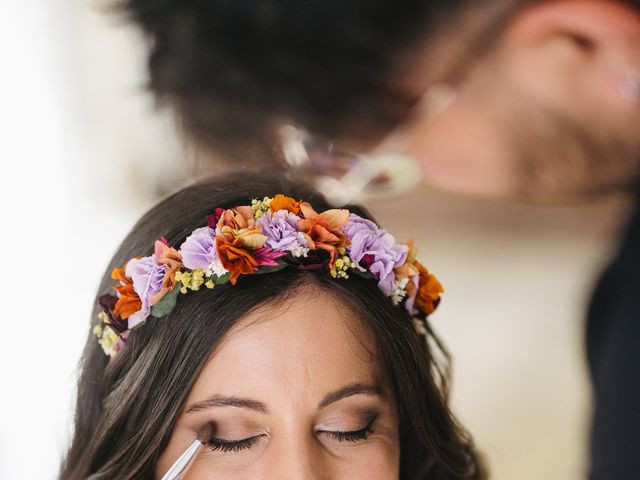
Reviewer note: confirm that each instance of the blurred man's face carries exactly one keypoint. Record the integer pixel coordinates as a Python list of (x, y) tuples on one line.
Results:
[(553, 111)]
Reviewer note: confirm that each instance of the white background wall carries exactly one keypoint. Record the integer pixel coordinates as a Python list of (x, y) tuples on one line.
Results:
[(83, 154)]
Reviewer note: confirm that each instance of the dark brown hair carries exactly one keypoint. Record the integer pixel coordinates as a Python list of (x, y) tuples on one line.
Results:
[(235, 69), (126, 408)]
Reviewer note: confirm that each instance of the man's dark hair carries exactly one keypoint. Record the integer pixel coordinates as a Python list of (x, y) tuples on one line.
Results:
[(235, 69)]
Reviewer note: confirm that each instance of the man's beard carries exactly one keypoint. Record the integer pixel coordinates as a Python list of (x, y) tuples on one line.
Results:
[(558, 158)]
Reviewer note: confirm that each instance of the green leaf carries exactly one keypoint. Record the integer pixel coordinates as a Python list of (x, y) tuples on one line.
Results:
[(221, 280), (166, 303)]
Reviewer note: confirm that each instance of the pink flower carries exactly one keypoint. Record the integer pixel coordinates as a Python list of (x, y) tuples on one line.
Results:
[(266, 256)]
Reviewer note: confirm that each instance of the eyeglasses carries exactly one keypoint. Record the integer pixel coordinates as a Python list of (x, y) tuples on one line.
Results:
[(346, 177)]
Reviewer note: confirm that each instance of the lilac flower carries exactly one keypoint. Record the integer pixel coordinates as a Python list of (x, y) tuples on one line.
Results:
[(199, 249), (281, 230), (410, 304), (377, 249), (146, 275)]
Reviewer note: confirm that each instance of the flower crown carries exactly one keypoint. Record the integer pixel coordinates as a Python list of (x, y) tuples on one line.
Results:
[(267, 236)]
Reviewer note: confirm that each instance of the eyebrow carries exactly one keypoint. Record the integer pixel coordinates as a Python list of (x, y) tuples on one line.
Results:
[(350, 391), (220, 401), (333, 397)]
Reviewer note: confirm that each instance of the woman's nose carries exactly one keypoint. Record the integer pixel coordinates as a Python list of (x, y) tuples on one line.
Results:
[(300, 458)]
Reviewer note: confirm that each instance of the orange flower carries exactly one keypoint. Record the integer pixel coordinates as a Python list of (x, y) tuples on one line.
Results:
[(172, 258), (280, 202), (429, 291), (129, 302), (323, 230), (237, 218), (235, 259), (239, 223)]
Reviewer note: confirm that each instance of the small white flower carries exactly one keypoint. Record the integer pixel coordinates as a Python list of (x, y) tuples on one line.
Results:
[(298, 252), (216, 268), (399, 291)]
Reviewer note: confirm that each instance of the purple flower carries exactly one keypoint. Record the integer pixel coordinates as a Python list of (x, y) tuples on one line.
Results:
[(411, 299), (377, 249), (199, 249), (281, 230), (146, 275)]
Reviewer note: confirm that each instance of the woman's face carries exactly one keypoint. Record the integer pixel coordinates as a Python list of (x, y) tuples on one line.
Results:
[(292, 391)]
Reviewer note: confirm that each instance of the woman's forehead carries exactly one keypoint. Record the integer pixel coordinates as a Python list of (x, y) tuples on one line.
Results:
[(310, 341)]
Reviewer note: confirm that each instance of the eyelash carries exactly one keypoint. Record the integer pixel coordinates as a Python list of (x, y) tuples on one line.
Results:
[(218, 444), (353, 436)]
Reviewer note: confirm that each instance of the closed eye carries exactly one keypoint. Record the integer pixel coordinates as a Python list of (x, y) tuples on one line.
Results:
[(353, 436), (222, 445)]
